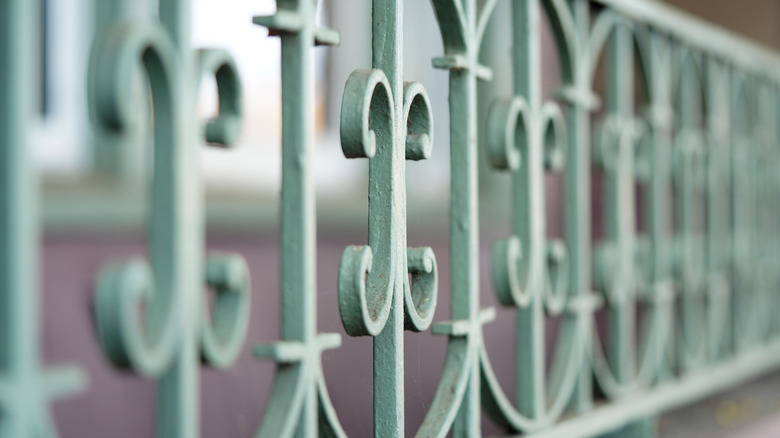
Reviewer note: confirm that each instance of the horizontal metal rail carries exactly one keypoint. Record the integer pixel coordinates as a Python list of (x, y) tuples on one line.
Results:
[(668, 396), (699, 34)]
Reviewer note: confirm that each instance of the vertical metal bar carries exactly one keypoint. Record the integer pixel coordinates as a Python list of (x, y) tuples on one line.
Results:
[(179, 391), (25, 389), (298, 215), (578, 199), (299, 404), (739, 116), (462, 23), (621, 222), (528, 217), (752, 232), (464, 215), (387, 55), (771, 182), (464, 221), (659, 194), (718, 129), (387, 122), (760, 185), (687, 265), (19, 232), (298, 210)]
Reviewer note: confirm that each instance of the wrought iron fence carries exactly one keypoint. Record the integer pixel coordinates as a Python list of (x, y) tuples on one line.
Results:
[(652, 318)]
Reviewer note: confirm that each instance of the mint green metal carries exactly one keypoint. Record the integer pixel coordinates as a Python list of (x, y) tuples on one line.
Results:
[(118, 156), (177, 330), (530, 272), (630, 270), (689, 303), (26, 389), (299, 404), (683, 261), (387, 121), (578, 208)]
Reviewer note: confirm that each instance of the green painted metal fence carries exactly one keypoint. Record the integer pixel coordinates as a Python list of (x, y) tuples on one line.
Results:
[(688, 307)]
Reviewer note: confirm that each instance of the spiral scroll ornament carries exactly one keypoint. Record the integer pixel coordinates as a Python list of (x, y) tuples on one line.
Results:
[(368, 275), (153, 318), (387, 122)]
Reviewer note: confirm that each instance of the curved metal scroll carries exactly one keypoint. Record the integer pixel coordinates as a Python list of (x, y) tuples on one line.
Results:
[(524, 137), (368, 130), (388, 122), (150, 318), (144, 345)]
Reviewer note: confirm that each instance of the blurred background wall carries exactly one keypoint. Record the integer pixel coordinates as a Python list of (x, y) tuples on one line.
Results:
[(755, 19)]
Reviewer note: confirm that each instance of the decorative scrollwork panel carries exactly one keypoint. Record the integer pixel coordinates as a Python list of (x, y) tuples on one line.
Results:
[(663, 129)]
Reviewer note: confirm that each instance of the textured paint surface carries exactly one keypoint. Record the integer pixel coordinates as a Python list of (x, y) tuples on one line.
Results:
[(300, 405), (660, 305)]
